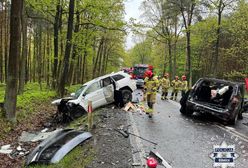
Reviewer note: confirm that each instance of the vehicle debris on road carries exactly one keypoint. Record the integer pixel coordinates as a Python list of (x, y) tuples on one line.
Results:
[(6, 149), (129, 106), (55, 147), (34, 137), (125, 133), (159, 159)]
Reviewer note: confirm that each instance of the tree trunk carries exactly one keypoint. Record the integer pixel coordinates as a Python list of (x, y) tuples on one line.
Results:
[(24, 51), (216, 54), (102, 58), (56, 43), (33, 62), (175, 48), (74, 51), (1, 52), (39, 55), (170, 58), (85, 56), (6, 40), (175, 60), (13, 66), (189, 69), (28, 69), (164, 65), (95, 73), (67, 49), (79, 69), (48, 58)]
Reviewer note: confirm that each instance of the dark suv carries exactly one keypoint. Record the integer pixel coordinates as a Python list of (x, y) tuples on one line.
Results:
[(221, 98)]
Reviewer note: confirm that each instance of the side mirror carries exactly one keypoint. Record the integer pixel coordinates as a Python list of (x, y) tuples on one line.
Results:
[(72, 94)]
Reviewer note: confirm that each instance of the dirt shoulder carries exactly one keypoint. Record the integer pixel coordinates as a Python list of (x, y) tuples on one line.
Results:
[(35, 122), (108, 148), (112, 149)]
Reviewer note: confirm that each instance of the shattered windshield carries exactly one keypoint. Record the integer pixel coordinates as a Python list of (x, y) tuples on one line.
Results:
[(79, 91)]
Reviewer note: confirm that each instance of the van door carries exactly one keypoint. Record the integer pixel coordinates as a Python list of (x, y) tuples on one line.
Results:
[(108, 87), (95, 94)]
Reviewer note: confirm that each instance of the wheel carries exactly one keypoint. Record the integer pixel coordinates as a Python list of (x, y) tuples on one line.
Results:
[(127, 96), (186, 111), (77, 111), (233, 121), (184, 108)]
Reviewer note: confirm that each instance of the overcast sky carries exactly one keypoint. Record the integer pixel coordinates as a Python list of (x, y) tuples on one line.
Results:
[(132, 11)]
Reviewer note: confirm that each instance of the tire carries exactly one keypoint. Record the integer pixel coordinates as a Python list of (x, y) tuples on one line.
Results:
[(77, 111), (233, 121), (184, 108), (186, 111), (127, 96)]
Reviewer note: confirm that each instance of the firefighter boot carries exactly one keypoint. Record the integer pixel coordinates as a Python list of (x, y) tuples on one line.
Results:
[(165, 97)]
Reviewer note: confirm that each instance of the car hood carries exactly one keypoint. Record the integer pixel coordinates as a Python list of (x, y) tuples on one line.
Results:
[(58, 101)]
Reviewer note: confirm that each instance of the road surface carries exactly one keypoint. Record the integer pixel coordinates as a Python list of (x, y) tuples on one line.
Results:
[(186, 142)]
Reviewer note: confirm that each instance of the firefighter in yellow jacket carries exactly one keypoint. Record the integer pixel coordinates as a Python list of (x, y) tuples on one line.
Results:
[(184, 85), (176, 84), (151, 87), (165, 84), (144, 90)]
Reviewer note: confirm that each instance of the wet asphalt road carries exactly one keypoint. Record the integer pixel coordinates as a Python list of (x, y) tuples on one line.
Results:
[(187, 142)]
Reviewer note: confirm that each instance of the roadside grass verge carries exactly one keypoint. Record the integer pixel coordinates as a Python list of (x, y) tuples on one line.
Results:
[(27, 104), (32, 101), (80, 156)]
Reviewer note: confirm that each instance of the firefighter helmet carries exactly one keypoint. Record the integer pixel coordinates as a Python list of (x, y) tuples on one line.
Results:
[(149, 73)]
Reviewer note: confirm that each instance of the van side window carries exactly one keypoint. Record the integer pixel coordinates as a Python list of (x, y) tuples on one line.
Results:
[(106, 81), (118, 77), (92, 88)]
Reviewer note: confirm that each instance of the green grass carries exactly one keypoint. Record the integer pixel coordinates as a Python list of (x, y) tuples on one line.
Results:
[(31, 97), (2, 90), (26, 104), (73, 88)]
